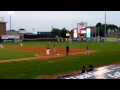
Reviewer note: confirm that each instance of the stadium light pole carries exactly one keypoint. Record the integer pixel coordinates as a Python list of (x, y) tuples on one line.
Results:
[(10, 12), (105, 27)]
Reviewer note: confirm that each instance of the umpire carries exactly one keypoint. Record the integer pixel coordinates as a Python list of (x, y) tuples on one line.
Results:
[(67, 50)]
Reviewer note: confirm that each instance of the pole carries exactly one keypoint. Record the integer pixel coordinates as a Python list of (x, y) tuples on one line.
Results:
[(10, 23), (52, 27), (95, 33), (105, 26), (98, 31), (33, 30)]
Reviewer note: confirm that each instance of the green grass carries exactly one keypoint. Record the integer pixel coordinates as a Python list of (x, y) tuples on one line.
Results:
[(14, 54), (108, 54)]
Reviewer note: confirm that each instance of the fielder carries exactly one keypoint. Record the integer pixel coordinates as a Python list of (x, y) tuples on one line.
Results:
[(87, 51), (1, 46), (54, 48), (48, 50), (67, 50)]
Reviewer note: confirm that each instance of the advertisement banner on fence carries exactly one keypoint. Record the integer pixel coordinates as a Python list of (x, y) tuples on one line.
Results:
[(69, 39), (10, 37), (66, 39), (8, 40), (88, 40), (79, 39), (7, 36), (118, 39), (74, 39), (4, 36)]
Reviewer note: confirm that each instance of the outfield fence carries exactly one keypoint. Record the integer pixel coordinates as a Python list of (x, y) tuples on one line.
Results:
[(107, 39)]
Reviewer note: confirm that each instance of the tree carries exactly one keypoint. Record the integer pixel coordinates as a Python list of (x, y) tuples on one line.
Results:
[(60, 33), (119, 29), (63, 32), (98, 24), (56, 31), (101, 31), (108, 26), (21, 29), (112, 27)]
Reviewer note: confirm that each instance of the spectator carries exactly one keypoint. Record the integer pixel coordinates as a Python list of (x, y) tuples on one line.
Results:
[(91, 68), (83, 70)]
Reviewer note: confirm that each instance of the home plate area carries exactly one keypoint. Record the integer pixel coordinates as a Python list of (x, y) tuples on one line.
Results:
[(107, 72)]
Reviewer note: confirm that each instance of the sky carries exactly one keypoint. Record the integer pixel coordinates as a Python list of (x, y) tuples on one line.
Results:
[(44, 20)]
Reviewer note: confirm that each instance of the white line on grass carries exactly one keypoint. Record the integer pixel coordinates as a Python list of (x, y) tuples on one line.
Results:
[(51, 61), (56, 60)]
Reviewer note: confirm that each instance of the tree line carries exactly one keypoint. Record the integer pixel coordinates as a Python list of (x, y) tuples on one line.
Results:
[(60, 32), (99, 26)]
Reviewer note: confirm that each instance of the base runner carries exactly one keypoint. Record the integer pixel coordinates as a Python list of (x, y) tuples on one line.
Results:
[(21, 44), (1, 46), (48, 50)]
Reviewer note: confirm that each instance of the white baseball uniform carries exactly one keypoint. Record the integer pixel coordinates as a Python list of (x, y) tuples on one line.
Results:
[(21, 44), (1, 46), (48, 50)]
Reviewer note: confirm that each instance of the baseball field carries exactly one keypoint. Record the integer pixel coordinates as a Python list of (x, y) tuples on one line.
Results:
[(31, 62)]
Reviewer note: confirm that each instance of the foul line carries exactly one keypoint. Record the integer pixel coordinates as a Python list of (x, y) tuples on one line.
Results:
[(56, 60), (19, 59), (68, 58)]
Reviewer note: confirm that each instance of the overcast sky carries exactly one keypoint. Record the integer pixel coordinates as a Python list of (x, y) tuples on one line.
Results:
[(43, 20)]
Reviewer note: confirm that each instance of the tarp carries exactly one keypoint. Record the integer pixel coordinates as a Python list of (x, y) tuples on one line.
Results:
[(107, 72)]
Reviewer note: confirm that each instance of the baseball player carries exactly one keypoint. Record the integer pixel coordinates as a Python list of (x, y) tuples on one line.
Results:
[(67, 50), (1, 46), (21, 44), (54, 48), (48, 50), (87, 51)]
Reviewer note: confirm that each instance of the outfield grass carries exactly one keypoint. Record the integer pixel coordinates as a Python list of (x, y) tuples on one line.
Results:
[(108, 54), (14, 54)]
